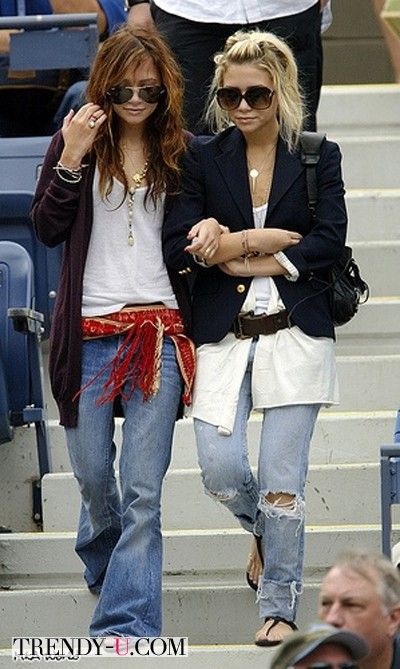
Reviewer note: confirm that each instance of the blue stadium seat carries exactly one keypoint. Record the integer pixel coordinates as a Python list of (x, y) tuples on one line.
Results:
[(390, 485), (47, 54), (21, 381), (16, 226), (20, 161)]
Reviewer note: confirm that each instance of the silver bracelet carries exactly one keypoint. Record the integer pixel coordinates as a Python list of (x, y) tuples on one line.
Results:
[(70, 176)]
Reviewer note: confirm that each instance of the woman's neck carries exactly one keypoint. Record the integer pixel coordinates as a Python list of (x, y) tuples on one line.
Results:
[(132, 138), (261, 140)]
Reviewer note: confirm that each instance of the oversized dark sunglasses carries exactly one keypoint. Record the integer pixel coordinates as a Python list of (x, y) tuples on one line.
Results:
[(121, 94), (328, 665), (257, 97)]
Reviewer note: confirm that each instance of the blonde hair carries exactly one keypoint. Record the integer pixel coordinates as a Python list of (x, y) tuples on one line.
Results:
[(378, 570), (274, 56)]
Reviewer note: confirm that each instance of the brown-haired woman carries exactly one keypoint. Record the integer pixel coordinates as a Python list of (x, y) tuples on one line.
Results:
[(118, 334)]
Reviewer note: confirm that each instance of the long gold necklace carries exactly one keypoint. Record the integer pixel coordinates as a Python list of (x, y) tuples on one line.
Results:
[(137, 180), (254, 173)]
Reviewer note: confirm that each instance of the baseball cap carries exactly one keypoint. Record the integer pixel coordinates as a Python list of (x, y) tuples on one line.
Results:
[(299, 645), (396, 555)]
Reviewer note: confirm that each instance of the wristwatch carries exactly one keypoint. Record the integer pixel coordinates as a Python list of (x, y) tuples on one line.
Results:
[(132, 3)]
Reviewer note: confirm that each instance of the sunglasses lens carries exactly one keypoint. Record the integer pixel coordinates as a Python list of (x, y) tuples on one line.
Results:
[(258, 97), (150, 94), (328, 665), (120, 94), (228, 98)]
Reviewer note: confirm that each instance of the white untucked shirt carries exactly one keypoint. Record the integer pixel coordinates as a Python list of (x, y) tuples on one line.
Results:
[(289, 367), (233, 11), (117, 274)]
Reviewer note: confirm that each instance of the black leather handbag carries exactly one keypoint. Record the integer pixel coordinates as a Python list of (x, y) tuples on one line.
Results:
[(347, 288)]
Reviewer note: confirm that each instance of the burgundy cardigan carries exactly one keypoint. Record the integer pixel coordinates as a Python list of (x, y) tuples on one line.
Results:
[(63, 213)]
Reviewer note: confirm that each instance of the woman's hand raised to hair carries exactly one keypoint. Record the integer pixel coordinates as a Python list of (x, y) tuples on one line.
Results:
[(79, 131), (271, 240)]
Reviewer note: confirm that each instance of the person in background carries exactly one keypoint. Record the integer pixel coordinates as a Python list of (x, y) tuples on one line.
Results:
[(28, 105), (320, 647), (264, 331), (196, 31), (118, 335), (391, 40), (361, 593)]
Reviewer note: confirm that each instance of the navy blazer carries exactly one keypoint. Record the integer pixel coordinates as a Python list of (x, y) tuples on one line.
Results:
[(215, 184)]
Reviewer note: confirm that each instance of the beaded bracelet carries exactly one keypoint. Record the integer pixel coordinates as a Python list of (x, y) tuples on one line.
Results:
[(245, 242)]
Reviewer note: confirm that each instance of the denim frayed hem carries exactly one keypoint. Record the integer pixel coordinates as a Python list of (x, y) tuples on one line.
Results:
[(278, 599)]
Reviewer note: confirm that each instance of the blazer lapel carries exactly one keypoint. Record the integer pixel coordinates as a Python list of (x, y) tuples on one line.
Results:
[(287, 169), (232, 164)]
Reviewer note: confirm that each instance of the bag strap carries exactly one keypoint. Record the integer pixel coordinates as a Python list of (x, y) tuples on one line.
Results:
[(310, 143)]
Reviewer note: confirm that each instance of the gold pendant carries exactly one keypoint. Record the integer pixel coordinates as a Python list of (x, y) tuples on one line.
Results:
[(253, 174)]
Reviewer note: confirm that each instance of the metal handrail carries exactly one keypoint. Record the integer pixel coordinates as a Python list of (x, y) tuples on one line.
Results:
[(47, 21)]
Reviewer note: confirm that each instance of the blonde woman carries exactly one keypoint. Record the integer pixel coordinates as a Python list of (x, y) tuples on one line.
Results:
[(264, 334)]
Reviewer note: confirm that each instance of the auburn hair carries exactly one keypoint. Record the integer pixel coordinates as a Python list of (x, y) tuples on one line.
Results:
[(164, 137)]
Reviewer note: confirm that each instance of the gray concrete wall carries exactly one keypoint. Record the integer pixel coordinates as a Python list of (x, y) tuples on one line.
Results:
[(354, 50)]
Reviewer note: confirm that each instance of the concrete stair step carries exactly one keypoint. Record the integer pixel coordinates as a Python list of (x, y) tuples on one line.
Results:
[(367, 382), (44, 559), (371, 109), (338, 437), (212, 657), (373, 214), (372, 257), (374, 330), (222, 611), (368, 161), (330, 497)]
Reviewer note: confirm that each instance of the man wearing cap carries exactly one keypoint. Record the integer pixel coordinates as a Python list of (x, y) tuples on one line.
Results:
[(361, 593), (323, 646)]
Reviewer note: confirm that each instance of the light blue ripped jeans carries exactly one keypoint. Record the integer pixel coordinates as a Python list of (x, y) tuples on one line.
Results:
[(282, 467)]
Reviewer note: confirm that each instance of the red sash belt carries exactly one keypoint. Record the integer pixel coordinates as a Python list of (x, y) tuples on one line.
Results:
[(137, 362)]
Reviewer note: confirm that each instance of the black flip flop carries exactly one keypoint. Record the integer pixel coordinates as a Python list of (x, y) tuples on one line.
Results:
[(266, 641), (253, 585)]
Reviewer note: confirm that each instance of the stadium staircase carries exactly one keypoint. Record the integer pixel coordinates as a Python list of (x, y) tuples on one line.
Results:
[(205, 596)]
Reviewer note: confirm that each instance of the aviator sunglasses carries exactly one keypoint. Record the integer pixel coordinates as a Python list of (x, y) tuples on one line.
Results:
[(257, 97), (121, 94), (328, 665)]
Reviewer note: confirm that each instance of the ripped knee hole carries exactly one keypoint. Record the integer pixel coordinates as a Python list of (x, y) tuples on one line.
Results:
[(281, 499)]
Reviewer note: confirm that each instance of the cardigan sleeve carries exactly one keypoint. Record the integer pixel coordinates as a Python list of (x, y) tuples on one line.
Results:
[(55, 202), (188, 208)]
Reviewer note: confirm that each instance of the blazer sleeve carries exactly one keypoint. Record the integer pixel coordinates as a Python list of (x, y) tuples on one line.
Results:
[(322, 246), (188, 208), (55, 202)]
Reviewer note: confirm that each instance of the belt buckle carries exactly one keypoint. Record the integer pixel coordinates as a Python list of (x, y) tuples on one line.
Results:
[(238, 327)]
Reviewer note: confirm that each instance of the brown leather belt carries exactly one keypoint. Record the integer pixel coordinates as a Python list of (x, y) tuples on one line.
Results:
[(248, 325)]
